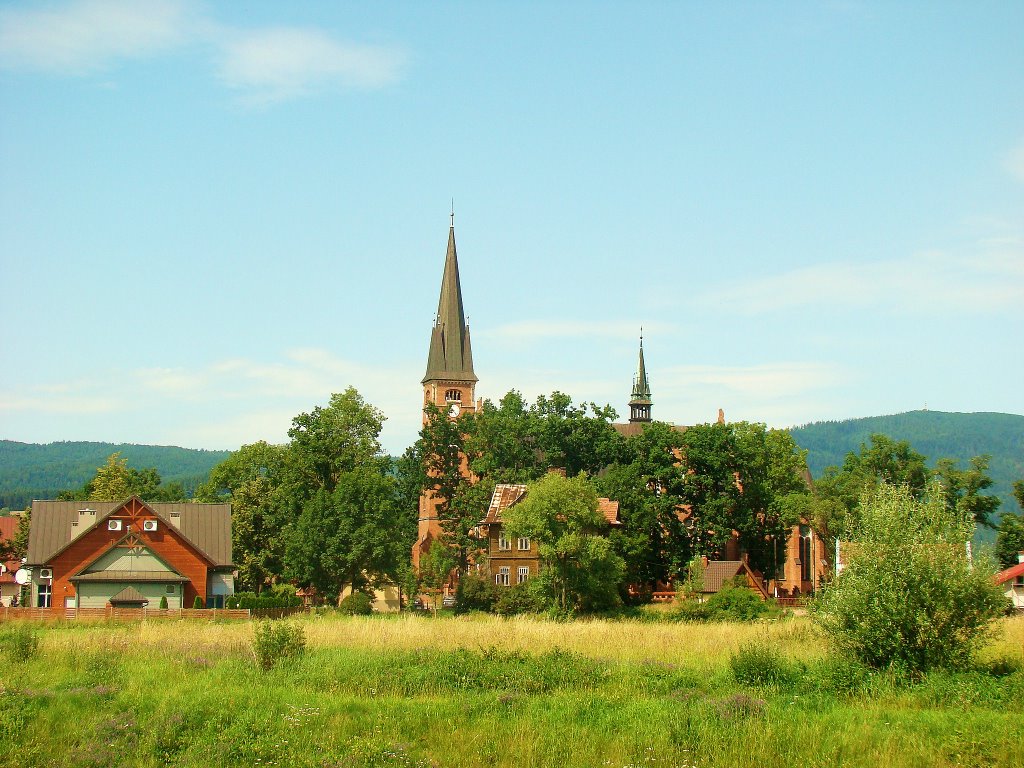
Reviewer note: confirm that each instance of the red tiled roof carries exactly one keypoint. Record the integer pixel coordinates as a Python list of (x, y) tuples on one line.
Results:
[(8, 527), (610, 510), (1010, 573)]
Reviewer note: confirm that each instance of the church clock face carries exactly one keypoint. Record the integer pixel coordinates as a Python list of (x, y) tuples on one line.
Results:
[(454, 410)]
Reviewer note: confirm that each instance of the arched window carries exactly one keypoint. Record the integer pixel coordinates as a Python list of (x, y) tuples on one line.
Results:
[(453, 396)]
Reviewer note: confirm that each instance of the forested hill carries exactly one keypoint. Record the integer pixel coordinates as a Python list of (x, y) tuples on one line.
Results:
[(32, 471), (933, 433)]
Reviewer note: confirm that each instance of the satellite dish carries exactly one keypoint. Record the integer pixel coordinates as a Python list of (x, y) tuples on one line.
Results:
[(22, 576)]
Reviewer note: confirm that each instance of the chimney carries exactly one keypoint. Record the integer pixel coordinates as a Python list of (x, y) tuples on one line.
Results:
[(704, 561), (175, 519), (86, 517)]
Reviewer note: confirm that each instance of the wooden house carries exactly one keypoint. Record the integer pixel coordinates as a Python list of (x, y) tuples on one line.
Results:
[(513, 562), (129, 554)]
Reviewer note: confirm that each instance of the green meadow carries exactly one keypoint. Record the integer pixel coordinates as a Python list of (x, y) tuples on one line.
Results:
[(486, 691)]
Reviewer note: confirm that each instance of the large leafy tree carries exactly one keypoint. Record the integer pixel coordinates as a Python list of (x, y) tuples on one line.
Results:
[(116, 481), (250, 479), (884, 460), (1010, 536), (962, 488), (647, 481), (347, 536), (909, 595), (445, 475), (327, 442), (578, 564), (745, 478)]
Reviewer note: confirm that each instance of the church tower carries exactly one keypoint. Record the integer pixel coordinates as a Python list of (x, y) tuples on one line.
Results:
[(640, 402), (449, 382)]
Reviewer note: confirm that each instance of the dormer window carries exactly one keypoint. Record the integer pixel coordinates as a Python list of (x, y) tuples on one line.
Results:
[(453, 396)]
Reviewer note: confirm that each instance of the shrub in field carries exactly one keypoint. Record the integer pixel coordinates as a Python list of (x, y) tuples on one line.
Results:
[(163, 603), (731, 603), (356, 604), (276, 640), (910, 596), (475, 593), (19, 641), (758, 664), (521, 598), (736, 603)]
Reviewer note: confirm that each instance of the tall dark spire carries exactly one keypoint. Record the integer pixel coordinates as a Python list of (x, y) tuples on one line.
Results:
[(640, 402), (451, 356)]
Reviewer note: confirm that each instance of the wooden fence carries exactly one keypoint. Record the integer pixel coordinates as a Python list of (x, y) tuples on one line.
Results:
[(135, 614)]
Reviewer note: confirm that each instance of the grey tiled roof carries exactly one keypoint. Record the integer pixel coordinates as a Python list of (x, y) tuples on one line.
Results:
[(206, 526)]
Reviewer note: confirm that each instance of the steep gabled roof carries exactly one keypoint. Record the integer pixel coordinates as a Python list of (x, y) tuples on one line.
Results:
[(507, 494), (718, 572), (206, 527), (451, 354), (504, 496)]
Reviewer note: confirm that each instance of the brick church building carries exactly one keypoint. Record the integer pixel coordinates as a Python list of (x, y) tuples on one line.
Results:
[(450, 384)]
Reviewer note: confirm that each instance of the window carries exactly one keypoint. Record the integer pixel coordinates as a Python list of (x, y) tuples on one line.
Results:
[(806, 538), (523, 543), (170, 589), (453, 396), (43, 600), (523, 575), (215, 601), (501, 578), (503, 543)]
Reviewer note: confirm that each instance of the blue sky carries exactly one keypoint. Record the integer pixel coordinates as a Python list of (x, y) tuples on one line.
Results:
[(214, 215)]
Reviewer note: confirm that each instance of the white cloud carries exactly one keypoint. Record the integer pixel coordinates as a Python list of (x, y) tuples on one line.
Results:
[(264, 65), (220, 405), (988, 278), (281, 63), (83, 36)]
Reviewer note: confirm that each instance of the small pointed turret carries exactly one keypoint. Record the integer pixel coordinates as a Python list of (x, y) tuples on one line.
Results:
[(451, 355), (640, 402)]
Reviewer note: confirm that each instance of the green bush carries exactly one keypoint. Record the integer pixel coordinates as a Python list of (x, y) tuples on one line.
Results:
[(356, 604), (19, 641), (761, 665), (527, 597), (276, 640), (197, 603), (735, 603), (163, 602), (475, 593), (731, 603), (909, 598)]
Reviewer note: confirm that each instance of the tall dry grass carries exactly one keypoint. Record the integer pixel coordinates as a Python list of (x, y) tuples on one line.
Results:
[(623, 640)]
